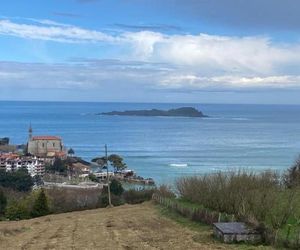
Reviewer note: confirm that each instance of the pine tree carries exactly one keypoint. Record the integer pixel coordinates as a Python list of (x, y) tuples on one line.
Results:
[(40, 206)]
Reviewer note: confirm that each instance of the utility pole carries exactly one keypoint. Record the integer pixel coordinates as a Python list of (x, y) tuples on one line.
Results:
[(107, 177)]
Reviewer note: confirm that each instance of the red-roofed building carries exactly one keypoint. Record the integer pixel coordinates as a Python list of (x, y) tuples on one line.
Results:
[(45, 146)]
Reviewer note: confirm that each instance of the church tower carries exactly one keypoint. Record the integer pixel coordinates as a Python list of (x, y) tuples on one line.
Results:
[(30, 132)]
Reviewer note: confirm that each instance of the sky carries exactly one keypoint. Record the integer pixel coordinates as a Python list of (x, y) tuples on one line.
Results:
[(184, 51)]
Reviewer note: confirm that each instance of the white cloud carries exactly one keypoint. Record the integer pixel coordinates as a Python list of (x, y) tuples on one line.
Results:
[(230, 82), (55, 32), (194, 61)]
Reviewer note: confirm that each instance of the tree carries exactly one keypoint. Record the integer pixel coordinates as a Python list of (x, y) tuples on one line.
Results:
[(116, 187), (3, 202), (58, 166), (117, 162), (40, 206), (19, 180), (101, 161), (292, 176)]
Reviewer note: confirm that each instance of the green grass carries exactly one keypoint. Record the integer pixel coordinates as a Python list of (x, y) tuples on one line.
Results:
[(204, 232)]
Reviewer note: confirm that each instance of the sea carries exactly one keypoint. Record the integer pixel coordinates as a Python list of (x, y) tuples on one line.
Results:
[(252, 137)]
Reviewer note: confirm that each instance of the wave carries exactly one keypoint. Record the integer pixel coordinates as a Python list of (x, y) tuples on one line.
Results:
[(179, 165)]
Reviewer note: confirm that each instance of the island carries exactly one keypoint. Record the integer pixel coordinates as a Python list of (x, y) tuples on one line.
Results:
[(179, 112)]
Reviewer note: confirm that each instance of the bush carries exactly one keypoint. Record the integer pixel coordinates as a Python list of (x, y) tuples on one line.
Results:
[(134, 196), (40, 205), (165, 191), (93, 178), (115, 200), (244, 194), (69, 199), (17, 210)]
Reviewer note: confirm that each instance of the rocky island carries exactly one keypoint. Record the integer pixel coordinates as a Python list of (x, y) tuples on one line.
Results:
[(179, 112)]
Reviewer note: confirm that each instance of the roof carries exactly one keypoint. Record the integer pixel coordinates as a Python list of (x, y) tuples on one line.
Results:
[(233, 228), (46, 138)]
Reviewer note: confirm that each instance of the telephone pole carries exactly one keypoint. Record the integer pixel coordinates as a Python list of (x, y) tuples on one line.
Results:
[(107, 177)]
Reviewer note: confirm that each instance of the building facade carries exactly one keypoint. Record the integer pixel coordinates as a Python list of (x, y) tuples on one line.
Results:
[(12, 162), (44, 146)]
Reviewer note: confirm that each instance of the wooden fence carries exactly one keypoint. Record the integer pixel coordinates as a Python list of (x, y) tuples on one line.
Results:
[(202, 215)]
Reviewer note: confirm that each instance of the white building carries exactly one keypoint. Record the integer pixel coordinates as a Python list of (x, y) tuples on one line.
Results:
[(12, 162)]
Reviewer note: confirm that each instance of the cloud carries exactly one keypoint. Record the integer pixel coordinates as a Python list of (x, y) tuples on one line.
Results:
[(231, 82), (52, 31), (155, 60)]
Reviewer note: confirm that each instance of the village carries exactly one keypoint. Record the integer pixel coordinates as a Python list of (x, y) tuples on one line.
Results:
[(50, 163)]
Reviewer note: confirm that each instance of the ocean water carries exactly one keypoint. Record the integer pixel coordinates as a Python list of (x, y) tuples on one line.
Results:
[(255, 137)]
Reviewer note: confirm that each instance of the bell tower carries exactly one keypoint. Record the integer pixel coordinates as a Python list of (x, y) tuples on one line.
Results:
[(30, 132)]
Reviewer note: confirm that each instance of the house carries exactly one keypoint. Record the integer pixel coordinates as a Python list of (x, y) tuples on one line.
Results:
[(78, 167), (230, 232), (12, 162), (45, 146)]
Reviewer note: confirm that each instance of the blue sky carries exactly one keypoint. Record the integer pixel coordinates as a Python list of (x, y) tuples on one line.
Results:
[(203, 51)]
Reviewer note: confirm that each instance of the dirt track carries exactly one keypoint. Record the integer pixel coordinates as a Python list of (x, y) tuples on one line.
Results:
[(125, 227)]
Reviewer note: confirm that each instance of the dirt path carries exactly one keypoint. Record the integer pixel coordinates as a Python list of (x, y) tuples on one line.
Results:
[(125, 227)]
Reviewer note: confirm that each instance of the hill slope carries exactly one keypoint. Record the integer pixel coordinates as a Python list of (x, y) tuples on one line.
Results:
[(124, 227)]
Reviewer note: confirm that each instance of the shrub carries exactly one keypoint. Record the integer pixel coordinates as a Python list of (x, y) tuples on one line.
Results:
[(115, 200), (93, 178), (165, 191), (245, 194), (70, 199), (134, 196), (17, 210)]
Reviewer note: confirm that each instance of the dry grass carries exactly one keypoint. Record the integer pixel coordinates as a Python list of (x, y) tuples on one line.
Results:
[(126, 227)]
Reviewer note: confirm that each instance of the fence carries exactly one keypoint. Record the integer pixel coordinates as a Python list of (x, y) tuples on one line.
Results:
[(199, 214)]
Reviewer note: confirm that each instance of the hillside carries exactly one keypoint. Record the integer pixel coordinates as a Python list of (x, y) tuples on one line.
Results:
[(125, 227)]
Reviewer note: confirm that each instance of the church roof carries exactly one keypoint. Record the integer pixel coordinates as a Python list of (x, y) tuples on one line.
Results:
[(45, 138)]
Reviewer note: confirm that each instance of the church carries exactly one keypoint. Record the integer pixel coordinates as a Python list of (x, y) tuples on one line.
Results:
[(45, 145)]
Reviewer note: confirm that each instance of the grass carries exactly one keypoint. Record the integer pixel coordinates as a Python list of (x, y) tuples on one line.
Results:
[(204, 232)]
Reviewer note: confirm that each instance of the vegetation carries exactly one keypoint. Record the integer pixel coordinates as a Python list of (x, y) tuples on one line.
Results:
[(115, 160), (59, 166), (292, 176), (93, 178), (134, 196), (3, 202), (40, 205), (19, 180), (260, 199), (17, 210), (116, 187)]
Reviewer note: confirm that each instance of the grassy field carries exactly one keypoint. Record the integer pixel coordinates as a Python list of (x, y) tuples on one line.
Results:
[(144, 226)]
